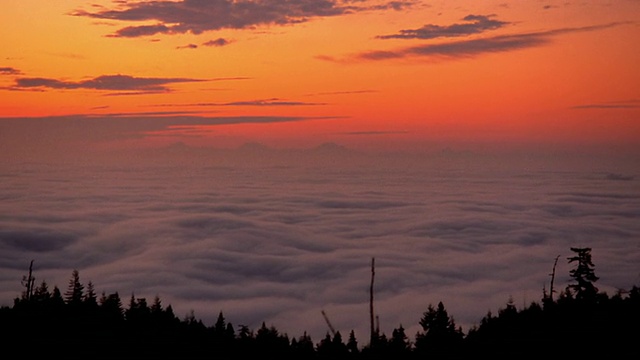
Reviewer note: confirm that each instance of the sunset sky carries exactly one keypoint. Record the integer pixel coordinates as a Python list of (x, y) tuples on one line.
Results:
[(366, 74), (402, 130)]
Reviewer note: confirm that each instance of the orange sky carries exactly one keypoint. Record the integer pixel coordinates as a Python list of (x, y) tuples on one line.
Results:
[(374, 74)]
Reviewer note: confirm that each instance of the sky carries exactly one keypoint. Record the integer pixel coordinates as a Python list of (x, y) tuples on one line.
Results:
[(375, 75), (251, 157)]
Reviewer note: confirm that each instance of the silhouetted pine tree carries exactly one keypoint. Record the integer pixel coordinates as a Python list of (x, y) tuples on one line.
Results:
[(352, 344), (399, 345), (440, 339), (302, 348), (75, 292), (90, 299), (584, 275), (269, 343)]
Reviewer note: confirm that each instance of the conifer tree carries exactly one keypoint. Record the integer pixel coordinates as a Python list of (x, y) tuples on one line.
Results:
[(75, 292), (111, 306), (90, 297), (352, 343), (399, 345), (56, 297), (302, 348), (440, 333), (42, 292), (156, 307), (584, 275)]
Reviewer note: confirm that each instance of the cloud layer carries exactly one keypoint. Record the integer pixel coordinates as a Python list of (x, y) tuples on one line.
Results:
[(281, 243), (43, 134)]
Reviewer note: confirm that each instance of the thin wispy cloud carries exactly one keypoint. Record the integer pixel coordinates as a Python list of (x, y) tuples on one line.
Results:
[(391, 5), (269, 102), (104, 82), (622, 104), (369, 133), (217, 42), (474, 24), (347, 92), (460, 49), (469, 48), (122, 84), (134, 114), (188, 46), (258, 102), (9, 71), (196, 17)]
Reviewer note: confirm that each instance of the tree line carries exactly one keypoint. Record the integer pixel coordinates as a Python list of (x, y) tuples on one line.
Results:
[(580, 321)]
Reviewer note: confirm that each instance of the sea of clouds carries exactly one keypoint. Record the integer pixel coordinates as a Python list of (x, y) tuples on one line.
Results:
[(280, 243)]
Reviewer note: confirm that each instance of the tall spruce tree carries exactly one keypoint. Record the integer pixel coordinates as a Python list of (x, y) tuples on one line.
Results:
[(584, 275), (75, 292)]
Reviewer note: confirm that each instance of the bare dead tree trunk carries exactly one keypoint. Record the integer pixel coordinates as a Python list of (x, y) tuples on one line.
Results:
[(371, 316), (326, 319), (30, 281), (553, 276)]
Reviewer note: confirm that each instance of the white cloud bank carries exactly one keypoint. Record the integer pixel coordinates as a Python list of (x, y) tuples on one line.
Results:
[(279, 244)]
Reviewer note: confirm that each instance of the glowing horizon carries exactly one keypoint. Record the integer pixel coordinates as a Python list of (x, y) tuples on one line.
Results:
[(372, 74)]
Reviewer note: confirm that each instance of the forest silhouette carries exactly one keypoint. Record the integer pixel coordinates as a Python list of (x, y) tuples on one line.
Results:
[(580, 322)]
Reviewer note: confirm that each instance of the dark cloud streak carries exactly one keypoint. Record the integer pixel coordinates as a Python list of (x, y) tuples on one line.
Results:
[(217, 42), (475, 24), (104, 82), (259, 103), (123, 84), (196, 16), (9, 71), (473, 47), (368, 133), (267, 102), (622, 104)]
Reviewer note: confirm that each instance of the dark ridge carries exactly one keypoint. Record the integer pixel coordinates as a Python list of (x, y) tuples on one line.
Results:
[(579, 323)]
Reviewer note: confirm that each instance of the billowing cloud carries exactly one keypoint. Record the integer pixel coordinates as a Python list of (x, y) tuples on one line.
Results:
[(197, 16), (472, 47), (104, 82), (474, 24)]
